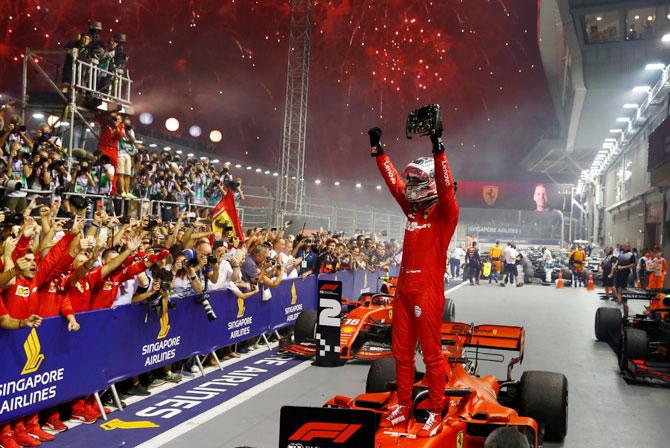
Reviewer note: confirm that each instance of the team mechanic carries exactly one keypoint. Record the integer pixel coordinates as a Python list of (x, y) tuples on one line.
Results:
[(426, 194)]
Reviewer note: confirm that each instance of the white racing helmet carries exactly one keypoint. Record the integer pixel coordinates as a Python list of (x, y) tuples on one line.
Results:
[(419, 178)]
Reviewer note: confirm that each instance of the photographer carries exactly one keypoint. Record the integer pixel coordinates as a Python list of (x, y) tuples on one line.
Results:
[(259, 268), (15, 132), (17, 172)]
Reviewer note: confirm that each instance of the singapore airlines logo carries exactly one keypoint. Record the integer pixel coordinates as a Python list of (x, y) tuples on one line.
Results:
[(32, 348), (294, 295), (240, 308), (165, 325)]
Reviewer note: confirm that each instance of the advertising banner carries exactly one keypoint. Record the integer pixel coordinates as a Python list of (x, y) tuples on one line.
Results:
[(43, 367)]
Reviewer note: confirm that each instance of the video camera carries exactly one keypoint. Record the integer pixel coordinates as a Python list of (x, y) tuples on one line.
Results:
[(11, 219), (424, 121), (10, 185)]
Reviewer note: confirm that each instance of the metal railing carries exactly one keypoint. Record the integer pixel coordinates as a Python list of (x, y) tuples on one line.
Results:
[(114, 86)]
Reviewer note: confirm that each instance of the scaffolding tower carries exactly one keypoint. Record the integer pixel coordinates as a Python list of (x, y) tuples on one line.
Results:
[(292, 181), (71, 106)]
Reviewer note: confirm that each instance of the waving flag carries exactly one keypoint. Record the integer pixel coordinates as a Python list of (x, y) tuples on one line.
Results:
[(225, 215)]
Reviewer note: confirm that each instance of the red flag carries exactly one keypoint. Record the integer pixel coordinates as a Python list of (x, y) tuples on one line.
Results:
[(225, 215)]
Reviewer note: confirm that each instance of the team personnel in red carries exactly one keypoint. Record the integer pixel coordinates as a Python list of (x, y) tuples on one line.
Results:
[(111, 132), (23, 299), (425, 193), (104, 296)]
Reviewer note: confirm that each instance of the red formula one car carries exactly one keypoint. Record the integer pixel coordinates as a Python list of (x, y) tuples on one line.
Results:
[(537, 404), (365, 332), (642, 341)]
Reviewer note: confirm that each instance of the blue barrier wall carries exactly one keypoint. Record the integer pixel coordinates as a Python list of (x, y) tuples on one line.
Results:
[(48, 366)]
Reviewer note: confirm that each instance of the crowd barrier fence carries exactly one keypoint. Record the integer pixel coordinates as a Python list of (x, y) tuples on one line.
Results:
[(47, 366)]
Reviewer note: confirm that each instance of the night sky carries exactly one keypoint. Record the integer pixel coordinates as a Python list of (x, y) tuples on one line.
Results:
[(221, 65)]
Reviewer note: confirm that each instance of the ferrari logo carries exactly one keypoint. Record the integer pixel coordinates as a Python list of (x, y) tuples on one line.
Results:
[(221, 222), (459, 440), (33, 356), (120, 424), (490, 193), (294, 294), (165, 326)]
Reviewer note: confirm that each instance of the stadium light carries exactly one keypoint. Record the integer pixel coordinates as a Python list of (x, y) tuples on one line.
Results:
[(631, 106), (179, 151), (275, 174), (203, 158), (215, 161), (267, 172), (215, 136), (249, 168), (358, 185), (378, 187), (152, 145), (171, 124), (613, 140), (654, 66), (167, 148), (643, 88), (336, 183), (190, 154), (38, 116), (195, 131), (258, 170), (238, 166), (146, 118), (623, 120), (317, 181), (666, 37), (615, 131)]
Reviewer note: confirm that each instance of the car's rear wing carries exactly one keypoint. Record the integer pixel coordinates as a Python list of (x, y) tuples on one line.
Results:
[(486, 337)]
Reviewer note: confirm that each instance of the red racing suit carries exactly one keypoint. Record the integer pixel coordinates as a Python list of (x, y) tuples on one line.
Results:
[(417, 309)]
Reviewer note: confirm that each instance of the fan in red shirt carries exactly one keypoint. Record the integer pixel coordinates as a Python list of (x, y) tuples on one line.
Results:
[(22, 299), (105, 294)]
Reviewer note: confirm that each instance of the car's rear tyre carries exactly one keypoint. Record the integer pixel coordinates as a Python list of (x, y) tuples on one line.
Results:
[(448, 311), (543, 396), (507, 436), (382, 371), (305, 326), (608, 322), (634, 345)]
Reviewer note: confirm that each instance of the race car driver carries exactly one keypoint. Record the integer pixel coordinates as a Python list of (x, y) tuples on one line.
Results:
[(425, 193)]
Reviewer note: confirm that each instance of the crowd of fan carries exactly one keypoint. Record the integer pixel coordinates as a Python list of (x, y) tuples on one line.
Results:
[(69, 265)]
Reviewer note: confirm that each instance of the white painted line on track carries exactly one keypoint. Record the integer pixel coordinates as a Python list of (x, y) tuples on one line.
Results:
[(206, 416), (455, 287)]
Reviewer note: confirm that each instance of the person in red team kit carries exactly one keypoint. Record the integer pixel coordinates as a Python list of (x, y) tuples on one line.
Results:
[(426, 194)]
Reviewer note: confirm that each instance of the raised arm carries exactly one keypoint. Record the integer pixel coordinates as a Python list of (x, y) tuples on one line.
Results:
[(393, 180), (446, 192)]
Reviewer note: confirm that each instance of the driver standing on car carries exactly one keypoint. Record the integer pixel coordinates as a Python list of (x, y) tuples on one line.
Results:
[(425, 192)]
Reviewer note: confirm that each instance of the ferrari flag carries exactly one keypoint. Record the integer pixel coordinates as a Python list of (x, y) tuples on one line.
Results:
[(224, 215)]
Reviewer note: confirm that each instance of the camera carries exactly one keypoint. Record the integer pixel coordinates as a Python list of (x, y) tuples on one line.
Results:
[(204, 301), (424, 121), (232, 184), (151, 224), (212, 259), (11, 185), (11, 219)]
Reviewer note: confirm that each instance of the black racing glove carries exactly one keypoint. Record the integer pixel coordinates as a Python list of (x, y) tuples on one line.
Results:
[(436, 139), (376, 149)]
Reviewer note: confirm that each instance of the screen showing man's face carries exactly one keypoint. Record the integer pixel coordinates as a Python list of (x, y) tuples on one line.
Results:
[(540, 198)]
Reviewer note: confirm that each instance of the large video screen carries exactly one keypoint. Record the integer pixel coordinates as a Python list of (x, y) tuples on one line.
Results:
[(514, 196)]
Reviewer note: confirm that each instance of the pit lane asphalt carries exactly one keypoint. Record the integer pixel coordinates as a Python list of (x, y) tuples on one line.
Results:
[(604, 411)]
